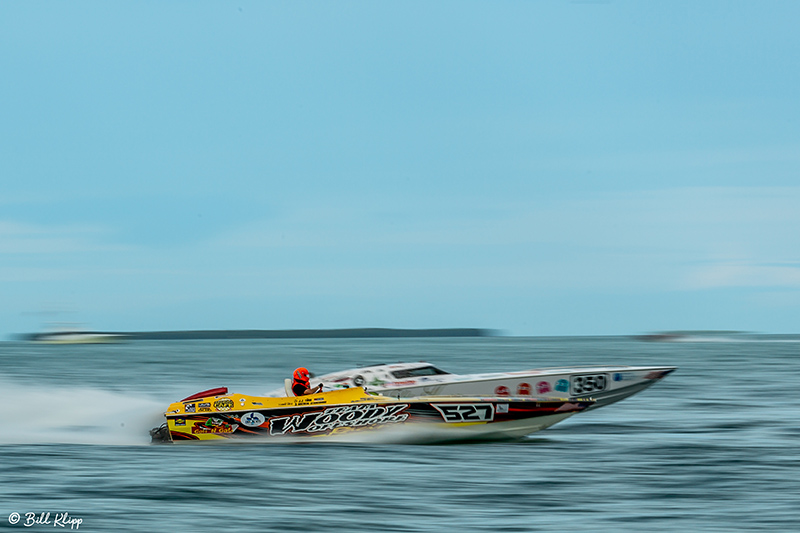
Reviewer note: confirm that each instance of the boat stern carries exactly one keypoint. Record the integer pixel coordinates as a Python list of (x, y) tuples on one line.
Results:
[(160, 434)]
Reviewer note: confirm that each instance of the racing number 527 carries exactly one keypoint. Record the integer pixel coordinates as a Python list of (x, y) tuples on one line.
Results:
[(466, 412)]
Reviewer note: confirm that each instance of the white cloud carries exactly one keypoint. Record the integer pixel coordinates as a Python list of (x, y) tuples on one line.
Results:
[(672, 239), (742, 275), (19, 238), (35, 275), (679, 162), (650, 240)]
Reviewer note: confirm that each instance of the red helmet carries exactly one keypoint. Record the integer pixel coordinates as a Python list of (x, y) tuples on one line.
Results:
[(302, 375)]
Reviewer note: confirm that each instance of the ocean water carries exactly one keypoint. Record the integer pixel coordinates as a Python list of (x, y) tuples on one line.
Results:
[(713, 447)]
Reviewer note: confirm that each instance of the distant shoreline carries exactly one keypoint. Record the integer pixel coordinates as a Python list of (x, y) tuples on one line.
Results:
[(350, 333)]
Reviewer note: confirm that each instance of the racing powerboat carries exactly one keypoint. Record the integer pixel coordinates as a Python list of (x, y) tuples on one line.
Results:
[(605, 384), (342, 414)]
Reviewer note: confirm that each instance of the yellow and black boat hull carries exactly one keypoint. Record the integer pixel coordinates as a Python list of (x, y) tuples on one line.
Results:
[(220, 416)]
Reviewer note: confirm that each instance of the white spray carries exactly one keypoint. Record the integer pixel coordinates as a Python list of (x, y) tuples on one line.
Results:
[(38, 414)]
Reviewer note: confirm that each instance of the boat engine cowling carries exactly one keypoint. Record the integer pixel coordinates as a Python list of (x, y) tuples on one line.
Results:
[(160, 435)]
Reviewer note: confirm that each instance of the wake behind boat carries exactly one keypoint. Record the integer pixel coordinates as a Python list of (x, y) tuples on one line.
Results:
[(605, 384), (216, 415)]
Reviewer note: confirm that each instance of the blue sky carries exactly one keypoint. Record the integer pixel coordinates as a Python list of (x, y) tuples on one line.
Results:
[(541, 168)]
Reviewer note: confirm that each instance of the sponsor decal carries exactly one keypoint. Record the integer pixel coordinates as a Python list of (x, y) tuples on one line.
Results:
[(213, 425), (501, 390), (657, 374), (562, 385), (180, 421), (543, 387), (204, 407), (242, 401), (225, 404), (524, 389), (359, 381), (189, 408), (588, 383), (257, 403), (349, 416), (622, 376), (502, 408), (483, 412), (253, 419)]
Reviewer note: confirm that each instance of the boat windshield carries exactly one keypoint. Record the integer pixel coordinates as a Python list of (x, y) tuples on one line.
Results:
[(419, 371)]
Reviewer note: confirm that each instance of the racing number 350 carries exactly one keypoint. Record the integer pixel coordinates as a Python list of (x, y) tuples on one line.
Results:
[(588, 383), (466, 413)]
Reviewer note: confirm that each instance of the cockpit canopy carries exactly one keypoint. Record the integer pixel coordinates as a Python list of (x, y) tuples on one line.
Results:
[(428, 370)]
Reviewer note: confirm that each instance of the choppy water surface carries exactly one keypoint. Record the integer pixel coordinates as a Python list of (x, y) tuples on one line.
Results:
[(713, 447)]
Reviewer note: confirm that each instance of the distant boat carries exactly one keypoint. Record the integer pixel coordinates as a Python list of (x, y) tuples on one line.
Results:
[(77, 337), (71, 333), (691, 336)]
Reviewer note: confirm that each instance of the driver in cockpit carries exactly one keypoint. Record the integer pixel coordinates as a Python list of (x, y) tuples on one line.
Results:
[(300, 383)]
